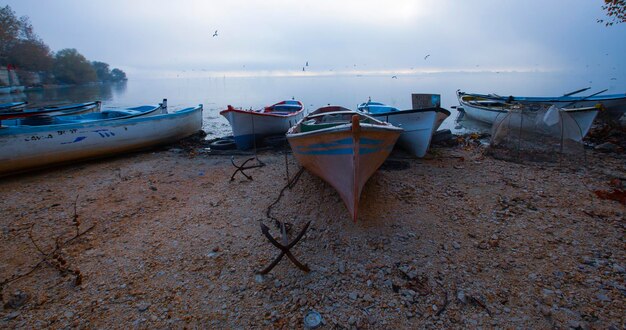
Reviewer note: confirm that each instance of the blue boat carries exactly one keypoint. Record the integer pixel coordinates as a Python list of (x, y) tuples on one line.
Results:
[(30, 145), (12, 106), (72, 109)]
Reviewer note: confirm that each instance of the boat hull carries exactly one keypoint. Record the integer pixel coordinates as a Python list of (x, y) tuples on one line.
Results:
[(74, 109), (442, 114), (249, 127), (418, 125), (584, 117), (12, 106), (24, 148), (613, 106), (345, 156)]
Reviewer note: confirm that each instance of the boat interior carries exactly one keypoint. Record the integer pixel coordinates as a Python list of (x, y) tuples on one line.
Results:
[(331, 119)]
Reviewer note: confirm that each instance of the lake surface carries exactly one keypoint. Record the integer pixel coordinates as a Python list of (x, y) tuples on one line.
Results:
[(216, 93)]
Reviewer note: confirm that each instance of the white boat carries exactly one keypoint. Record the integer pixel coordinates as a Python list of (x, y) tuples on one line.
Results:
[(442, 114), (418, 124), (490, 111), (613, 106), (251, 125), (93, 135)]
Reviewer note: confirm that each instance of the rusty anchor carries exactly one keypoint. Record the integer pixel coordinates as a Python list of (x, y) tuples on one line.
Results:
[(284, 247)]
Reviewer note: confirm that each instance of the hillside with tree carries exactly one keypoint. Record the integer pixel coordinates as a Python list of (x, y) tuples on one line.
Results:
[(23, 51)]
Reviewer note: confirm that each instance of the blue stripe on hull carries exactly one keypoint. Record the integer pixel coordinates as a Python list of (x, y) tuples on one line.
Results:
[(343, 147), (344, 151)]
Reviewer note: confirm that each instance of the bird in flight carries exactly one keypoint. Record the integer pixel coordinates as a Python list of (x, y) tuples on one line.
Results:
[(215, 34), (394, 77), (425, 57)]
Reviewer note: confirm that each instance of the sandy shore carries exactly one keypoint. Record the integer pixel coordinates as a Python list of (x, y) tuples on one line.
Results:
[(456, 240)]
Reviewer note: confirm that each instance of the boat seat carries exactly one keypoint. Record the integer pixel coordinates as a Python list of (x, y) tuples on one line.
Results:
[(311, 125)]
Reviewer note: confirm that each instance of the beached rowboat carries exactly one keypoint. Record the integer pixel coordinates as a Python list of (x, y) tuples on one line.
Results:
[(12, 106), (418, 124), (72, 109), (251, 125), (491, 110), (93, 135), (342, 147), (613, 106)]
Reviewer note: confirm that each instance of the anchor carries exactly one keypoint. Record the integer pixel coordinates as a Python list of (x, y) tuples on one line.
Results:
[(284, 247), (243, 167)]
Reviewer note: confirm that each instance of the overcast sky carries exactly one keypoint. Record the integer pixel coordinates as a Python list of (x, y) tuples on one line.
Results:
[(154, 37)]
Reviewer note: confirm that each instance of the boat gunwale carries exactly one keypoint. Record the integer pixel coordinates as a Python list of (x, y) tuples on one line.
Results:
[(479, 107), (547, 99), (137, 118), (261, 112), (399, 112), (344, 127), (34, 112)]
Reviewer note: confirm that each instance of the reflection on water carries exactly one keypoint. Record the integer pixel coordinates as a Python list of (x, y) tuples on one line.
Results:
[(104, 92), (215, 93)]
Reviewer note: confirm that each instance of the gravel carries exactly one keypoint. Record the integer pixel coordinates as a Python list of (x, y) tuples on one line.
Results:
[(484, 244)]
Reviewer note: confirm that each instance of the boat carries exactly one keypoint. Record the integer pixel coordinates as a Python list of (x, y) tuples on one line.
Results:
[(12, 106), (5, 89), (343, 147), (17, 89), (442, 114), (251, 125), (613, 106), (489, 110), (428, 101), (71, 138), (418, 124), (72, 109)]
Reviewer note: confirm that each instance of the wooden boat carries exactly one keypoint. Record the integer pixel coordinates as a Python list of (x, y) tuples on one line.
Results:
[(418, 124), (342, 147), (12, 106), (613, 106), (93, 135), (491, 110), (251, 125), (72, 109)]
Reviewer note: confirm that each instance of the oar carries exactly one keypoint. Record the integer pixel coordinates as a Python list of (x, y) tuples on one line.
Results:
[(584, 98), (576, 92)]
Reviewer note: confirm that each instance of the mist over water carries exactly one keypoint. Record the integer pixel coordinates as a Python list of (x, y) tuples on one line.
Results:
[(215, 93)]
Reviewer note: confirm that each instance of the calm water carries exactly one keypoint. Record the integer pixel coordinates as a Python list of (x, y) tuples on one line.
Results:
[(216, 93)]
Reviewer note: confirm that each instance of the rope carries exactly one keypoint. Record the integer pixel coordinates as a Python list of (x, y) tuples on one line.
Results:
[(290, 184)]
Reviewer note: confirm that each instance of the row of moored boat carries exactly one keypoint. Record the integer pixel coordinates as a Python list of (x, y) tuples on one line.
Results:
[(345, 147)]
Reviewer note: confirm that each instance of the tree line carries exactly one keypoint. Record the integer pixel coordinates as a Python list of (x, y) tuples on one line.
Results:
[(22, 49)]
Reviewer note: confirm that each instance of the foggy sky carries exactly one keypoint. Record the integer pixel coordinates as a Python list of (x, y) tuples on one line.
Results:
[(156, 38)]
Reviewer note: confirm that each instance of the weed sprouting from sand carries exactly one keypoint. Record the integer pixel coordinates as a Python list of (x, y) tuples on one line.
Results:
[(55, 257)]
